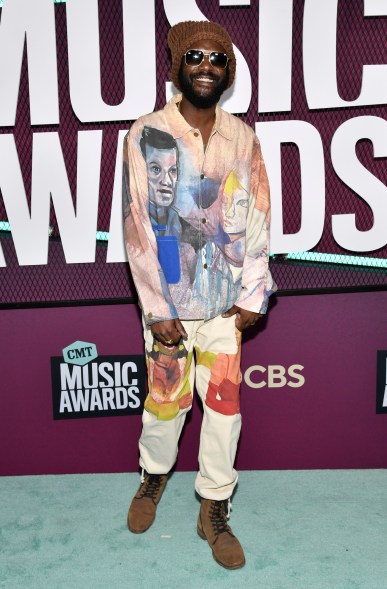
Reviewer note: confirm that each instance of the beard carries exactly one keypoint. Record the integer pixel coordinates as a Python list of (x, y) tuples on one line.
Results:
[(202, 100)]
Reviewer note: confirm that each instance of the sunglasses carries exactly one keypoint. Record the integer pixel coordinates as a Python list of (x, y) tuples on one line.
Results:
[(195, 57)]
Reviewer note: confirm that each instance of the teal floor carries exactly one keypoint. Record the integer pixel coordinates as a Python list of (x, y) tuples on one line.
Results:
[(300, 529)]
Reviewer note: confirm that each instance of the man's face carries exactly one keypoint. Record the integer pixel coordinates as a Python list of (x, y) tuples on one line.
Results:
[(162, 175), (203, 85)]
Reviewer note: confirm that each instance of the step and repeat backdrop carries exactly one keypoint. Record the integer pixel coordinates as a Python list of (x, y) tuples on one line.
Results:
[(312, 81), (313, 394)]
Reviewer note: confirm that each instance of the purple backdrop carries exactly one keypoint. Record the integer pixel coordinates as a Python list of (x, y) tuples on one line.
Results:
[(330, 422)]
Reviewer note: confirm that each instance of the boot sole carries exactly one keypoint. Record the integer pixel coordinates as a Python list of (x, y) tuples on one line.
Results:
[(138, 531)]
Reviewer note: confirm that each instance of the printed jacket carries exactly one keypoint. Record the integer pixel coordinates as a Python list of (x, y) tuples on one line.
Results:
[(196, 221)]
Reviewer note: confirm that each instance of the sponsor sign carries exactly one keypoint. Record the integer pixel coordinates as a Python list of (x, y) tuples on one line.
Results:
[(274, 376), (381, 382), (87, 385)]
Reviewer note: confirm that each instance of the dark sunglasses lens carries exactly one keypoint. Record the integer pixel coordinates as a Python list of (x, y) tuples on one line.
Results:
[(218, 59), (193, 57)]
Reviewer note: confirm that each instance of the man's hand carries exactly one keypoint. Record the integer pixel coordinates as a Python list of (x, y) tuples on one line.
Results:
[(169, 332), (243, 318)]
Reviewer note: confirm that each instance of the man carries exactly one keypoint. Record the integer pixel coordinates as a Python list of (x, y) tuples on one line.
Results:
[(192, 327)]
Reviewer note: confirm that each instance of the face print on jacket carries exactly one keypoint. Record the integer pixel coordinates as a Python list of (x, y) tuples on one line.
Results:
[(160, 152)]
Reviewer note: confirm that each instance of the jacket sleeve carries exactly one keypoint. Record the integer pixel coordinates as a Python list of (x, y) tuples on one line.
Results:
[(140, 240), (257, 282)]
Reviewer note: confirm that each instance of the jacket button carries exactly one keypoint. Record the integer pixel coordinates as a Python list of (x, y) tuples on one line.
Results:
[(150, 315), (203, 220), (196, 134), (205, 266), (202, 176)]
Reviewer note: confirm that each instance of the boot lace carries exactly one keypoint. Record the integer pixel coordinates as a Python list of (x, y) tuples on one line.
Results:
[(151, 486), (218, 517)]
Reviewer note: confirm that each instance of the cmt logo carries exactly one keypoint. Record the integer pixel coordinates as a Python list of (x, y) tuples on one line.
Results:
[(274, 376), (80, 353)]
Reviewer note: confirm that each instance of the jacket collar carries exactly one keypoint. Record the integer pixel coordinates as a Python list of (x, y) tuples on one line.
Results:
[(179, 126)]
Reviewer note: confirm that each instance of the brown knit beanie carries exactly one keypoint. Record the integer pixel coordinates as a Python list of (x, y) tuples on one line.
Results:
[(185, 35)]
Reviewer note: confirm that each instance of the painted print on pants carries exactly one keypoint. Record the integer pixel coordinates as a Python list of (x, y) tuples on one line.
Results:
[(209, 360)]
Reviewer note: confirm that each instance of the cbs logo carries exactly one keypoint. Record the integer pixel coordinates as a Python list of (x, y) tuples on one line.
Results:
[(274, 376)]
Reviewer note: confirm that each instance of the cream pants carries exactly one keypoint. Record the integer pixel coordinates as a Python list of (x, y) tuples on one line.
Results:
[(209, 360)]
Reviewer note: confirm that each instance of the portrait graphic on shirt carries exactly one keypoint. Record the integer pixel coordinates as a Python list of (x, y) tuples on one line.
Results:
[(161, 155), (199, 221), (235, 202)]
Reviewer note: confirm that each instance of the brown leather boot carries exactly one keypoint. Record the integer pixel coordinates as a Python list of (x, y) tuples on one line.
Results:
[(142, 510), (213, 527)]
